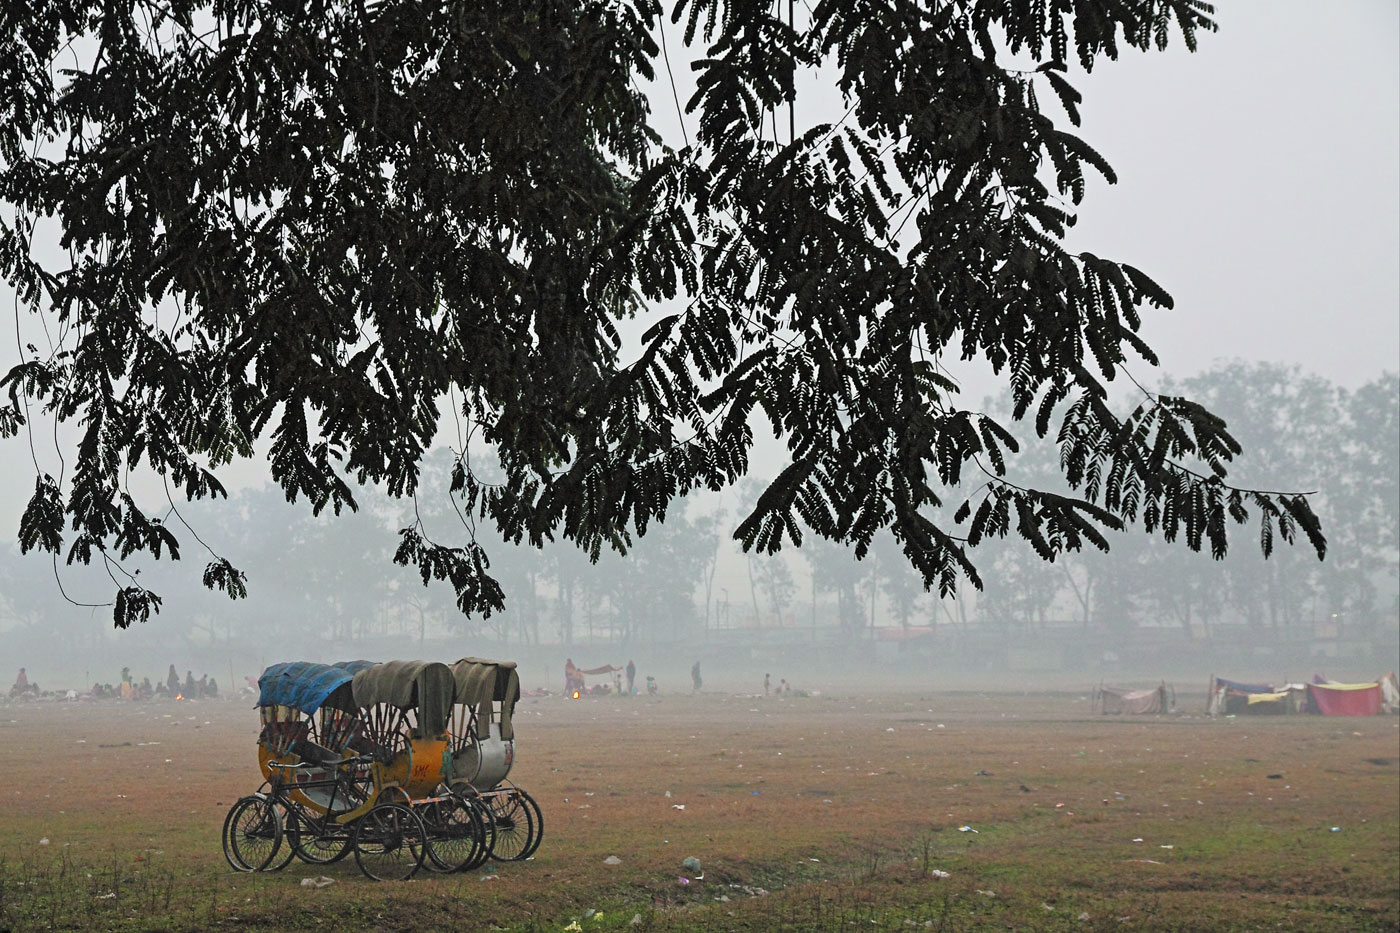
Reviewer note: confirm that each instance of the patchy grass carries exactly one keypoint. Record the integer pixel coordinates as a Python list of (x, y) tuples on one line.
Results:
[(815, 813)]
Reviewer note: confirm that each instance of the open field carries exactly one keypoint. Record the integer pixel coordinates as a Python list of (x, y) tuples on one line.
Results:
[(808, 813)]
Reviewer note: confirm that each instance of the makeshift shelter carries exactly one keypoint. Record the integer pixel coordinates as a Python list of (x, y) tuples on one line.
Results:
[(573, 677), (1120, 700), (1390, 693), (1235, 698), (1334, 699)]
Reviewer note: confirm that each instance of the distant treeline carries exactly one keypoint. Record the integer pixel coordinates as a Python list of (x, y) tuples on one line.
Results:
[(334, 577)]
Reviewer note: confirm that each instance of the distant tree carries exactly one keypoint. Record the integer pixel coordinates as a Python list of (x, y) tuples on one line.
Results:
[(900, 585), (709, 528), (836, 573), (652, 589), (1290, 422), (311, 225), (1363, 496), (775, 583)]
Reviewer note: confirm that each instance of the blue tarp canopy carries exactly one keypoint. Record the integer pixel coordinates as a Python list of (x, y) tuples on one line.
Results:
[(1243, 688), (302, 685), (354, 667)]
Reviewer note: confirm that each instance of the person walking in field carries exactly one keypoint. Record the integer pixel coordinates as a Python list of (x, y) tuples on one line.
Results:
[(631, 677), (695, 676), (172, 681), (767, 684)]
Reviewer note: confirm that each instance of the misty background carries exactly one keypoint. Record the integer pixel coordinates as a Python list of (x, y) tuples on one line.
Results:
[(1258, 185)]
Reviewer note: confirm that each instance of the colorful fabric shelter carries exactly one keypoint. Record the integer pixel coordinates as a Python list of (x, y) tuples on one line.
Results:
[(1332, 699), (1233, 697)]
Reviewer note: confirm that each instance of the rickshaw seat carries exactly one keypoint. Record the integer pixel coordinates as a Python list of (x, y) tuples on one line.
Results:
[(307, 750)]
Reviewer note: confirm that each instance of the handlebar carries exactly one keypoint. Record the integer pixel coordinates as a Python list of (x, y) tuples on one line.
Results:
[(301, 765)]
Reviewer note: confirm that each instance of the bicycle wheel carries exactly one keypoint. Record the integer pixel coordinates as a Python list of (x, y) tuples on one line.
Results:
[(538, 816), (252, 833), (291, 832), (514, 826), (390, 842), (455, 834)]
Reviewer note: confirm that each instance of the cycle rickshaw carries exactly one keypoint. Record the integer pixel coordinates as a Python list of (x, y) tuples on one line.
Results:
[(482, 746), (350, 755)]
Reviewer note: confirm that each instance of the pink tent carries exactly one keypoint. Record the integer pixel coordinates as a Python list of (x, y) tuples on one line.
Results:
[(1346, 699)]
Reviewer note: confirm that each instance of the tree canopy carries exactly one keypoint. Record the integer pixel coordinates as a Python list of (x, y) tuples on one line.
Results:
[(323, 224)]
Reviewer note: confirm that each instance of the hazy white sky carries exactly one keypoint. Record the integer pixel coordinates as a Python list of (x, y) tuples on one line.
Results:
[(1259, 183)]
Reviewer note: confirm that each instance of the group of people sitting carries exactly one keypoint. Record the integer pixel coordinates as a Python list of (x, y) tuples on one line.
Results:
[(173, 687), (128, 689), (783, 686)]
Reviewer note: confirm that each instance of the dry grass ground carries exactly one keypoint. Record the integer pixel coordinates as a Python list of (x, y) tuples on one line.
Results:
[(808, 813)]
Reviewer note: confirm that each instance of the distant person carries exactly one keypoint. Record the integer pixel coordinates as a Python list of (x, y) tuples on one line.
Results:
[(631, 678), (21, 684), (782, 687), (146, 690), (651, 685), (213, 689), (172, 682), (767, 684), (189, 685), (202, 688), (695, 677)]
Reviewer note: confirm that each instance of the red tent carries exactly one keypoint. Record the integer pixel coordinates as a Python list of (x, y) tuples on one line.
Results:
[(1346, 699)]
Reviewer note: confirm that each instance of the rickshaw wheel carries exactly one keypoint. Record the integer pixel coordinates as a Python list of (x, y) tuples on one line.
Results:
[(538, 835), (468, 795), (514, 827), (488, 832), (252, 833), (390, 842), (311, 848), (455, 834)]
